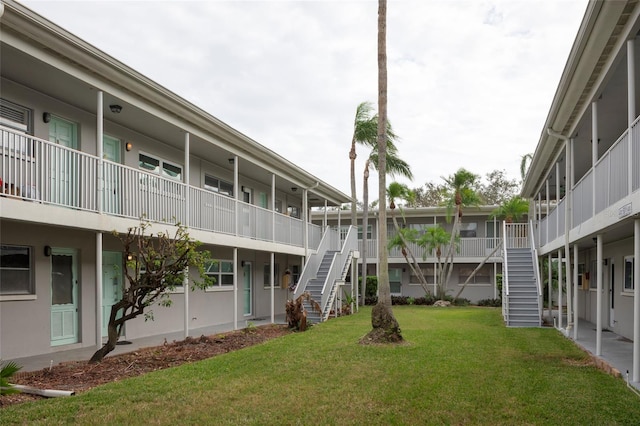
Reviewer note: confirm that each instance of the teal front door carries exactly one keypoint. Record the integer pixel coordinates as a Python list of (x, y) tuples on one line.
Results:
[(246, 289), (64, 297), (111, 285), (64, 187), (112, 151)]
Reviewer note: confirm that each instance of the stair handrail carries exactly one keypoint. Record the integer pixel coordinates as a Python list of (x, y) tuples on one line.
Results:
[(335, 271), (310, 268), (505, 275), (536, 265)]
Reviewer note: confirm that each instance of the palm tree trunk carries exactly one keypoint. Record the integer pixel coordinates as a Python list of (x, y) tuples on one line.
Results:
[(365, 225), (385, 326)]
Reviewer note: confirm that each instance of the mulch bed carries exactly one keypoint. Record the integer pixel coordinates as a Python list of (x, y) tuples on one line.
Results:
[(80, 376)]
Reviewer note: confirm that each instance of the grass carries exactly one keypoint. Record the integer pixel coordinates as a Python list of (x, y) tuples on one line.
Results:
[(458, 366)]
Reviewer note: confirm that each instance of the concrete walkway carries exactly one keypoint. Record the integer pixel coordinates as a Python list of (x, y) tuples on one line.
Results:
[(616, 351), (38, 362)]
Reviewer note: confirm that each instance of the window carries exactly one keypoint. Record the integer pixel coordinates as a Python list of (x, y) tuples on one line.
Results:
[(221, 273), (468, 230), (628, 273), (16, 277), (218, 185), (492, 230), (427, 272), (483, 276), (160, 167), (293, 211), (421, 228), (267, 273), (369, 233)]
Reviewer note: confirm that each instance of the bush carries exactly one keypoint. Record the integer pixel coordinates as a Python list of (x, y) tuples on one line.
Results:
[(371, 300), (460, 301), (496, 303), (427, 299), (399, 300)]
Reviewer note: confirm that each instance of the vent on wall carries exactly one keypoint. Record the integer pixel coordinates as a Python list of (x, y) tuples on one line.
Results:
[(15, 116)]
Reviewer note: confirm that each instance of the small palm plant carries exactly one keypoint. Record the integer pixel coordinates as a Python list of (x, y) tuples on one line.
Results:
[(6, 372)]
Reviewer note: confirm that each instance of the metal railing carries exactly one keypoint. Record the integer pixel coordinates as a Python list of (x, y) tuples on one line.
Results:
[(466, 247), (616, 175), (335, 271), (536, 265), (330, 241), (505, 275), (42, 171)]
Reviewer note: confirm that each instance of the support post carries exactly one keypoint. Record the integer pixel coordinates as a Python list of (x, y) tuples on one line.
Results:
[(599, 261), (575, 292), (560, 289), (99, 286), (636, 300)]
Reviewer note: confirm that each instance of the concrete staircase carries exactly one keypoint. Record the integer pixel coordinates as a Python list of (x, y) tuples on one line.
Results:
[(523, 300)]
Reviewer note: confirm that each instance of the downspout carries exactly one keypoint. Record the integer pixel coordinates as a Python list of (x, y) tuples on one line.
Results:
[(99, 149), (567, 219), (185, 283)]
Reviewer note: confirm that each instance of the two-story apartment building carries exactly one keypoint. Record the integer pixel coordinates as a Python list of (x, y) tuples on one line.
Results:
[(584, 179), (90, 146), (479, 234)]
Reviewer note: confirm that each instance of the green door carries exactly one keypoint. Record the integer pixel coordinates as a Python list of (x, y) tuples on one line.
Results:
[(64, 297), (111, 285), (246, 288), (112, 151), (63, 162)]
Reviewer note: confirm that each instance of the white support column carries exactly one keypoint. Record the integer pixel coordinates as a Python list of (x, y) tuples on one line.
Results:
[(185, 283), (99, 150), (599, 262), (560, 284), (273, 207), (185, 287), (636, 301), (549, 289), (548, 195), (575, 292), (187, 155), (235, 288), (99, 286), (324, 220), (631, 105), (557, 230), (273, 286), (567, 226), (236, 193), (594, 149), (539, 216), (305, 221)]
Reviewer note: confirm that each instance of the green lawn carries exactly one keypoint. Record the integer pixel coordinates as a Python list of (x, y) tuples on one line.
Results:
[(458, 366)]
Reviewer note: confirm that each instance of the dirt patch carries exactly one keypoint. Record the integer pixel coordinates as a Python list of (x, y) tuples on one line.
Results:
[(80, 376)]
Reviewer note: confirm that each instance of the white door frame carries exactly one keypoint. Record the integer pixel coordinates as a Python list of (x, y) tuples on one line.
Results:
[(247, 289), (64, 316)]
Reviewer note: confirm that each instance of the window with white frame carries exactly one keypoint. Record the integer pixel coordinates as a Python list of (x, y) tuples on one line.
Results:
[(267, 274), (593, 275), (221, 273), (293, 211), (16, 272), (628, 273), (214, 184), (159, 166), (483, 276), (369, 232), (16, 116), (468, 230)]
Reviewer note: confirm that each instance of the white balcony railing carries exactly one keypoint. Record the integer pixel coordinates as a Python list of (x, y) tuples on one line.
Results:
[(616, 175), (467, 247), (41, 171)]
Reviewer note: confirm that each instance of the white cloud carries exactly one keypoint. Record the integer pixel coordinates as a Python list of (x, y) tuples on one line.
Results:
[(470, 82)]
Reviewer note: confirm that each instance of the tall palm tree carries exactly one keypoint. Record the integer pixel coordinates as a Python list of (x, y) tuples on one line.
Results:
[(525, 162), (385, 327), (365, 131), (434, 239), (461, 187), (395, 166)]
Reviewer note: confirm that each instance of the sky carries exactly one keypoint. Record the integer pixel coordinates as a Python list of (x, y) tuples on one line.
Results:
[(470, 83)]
